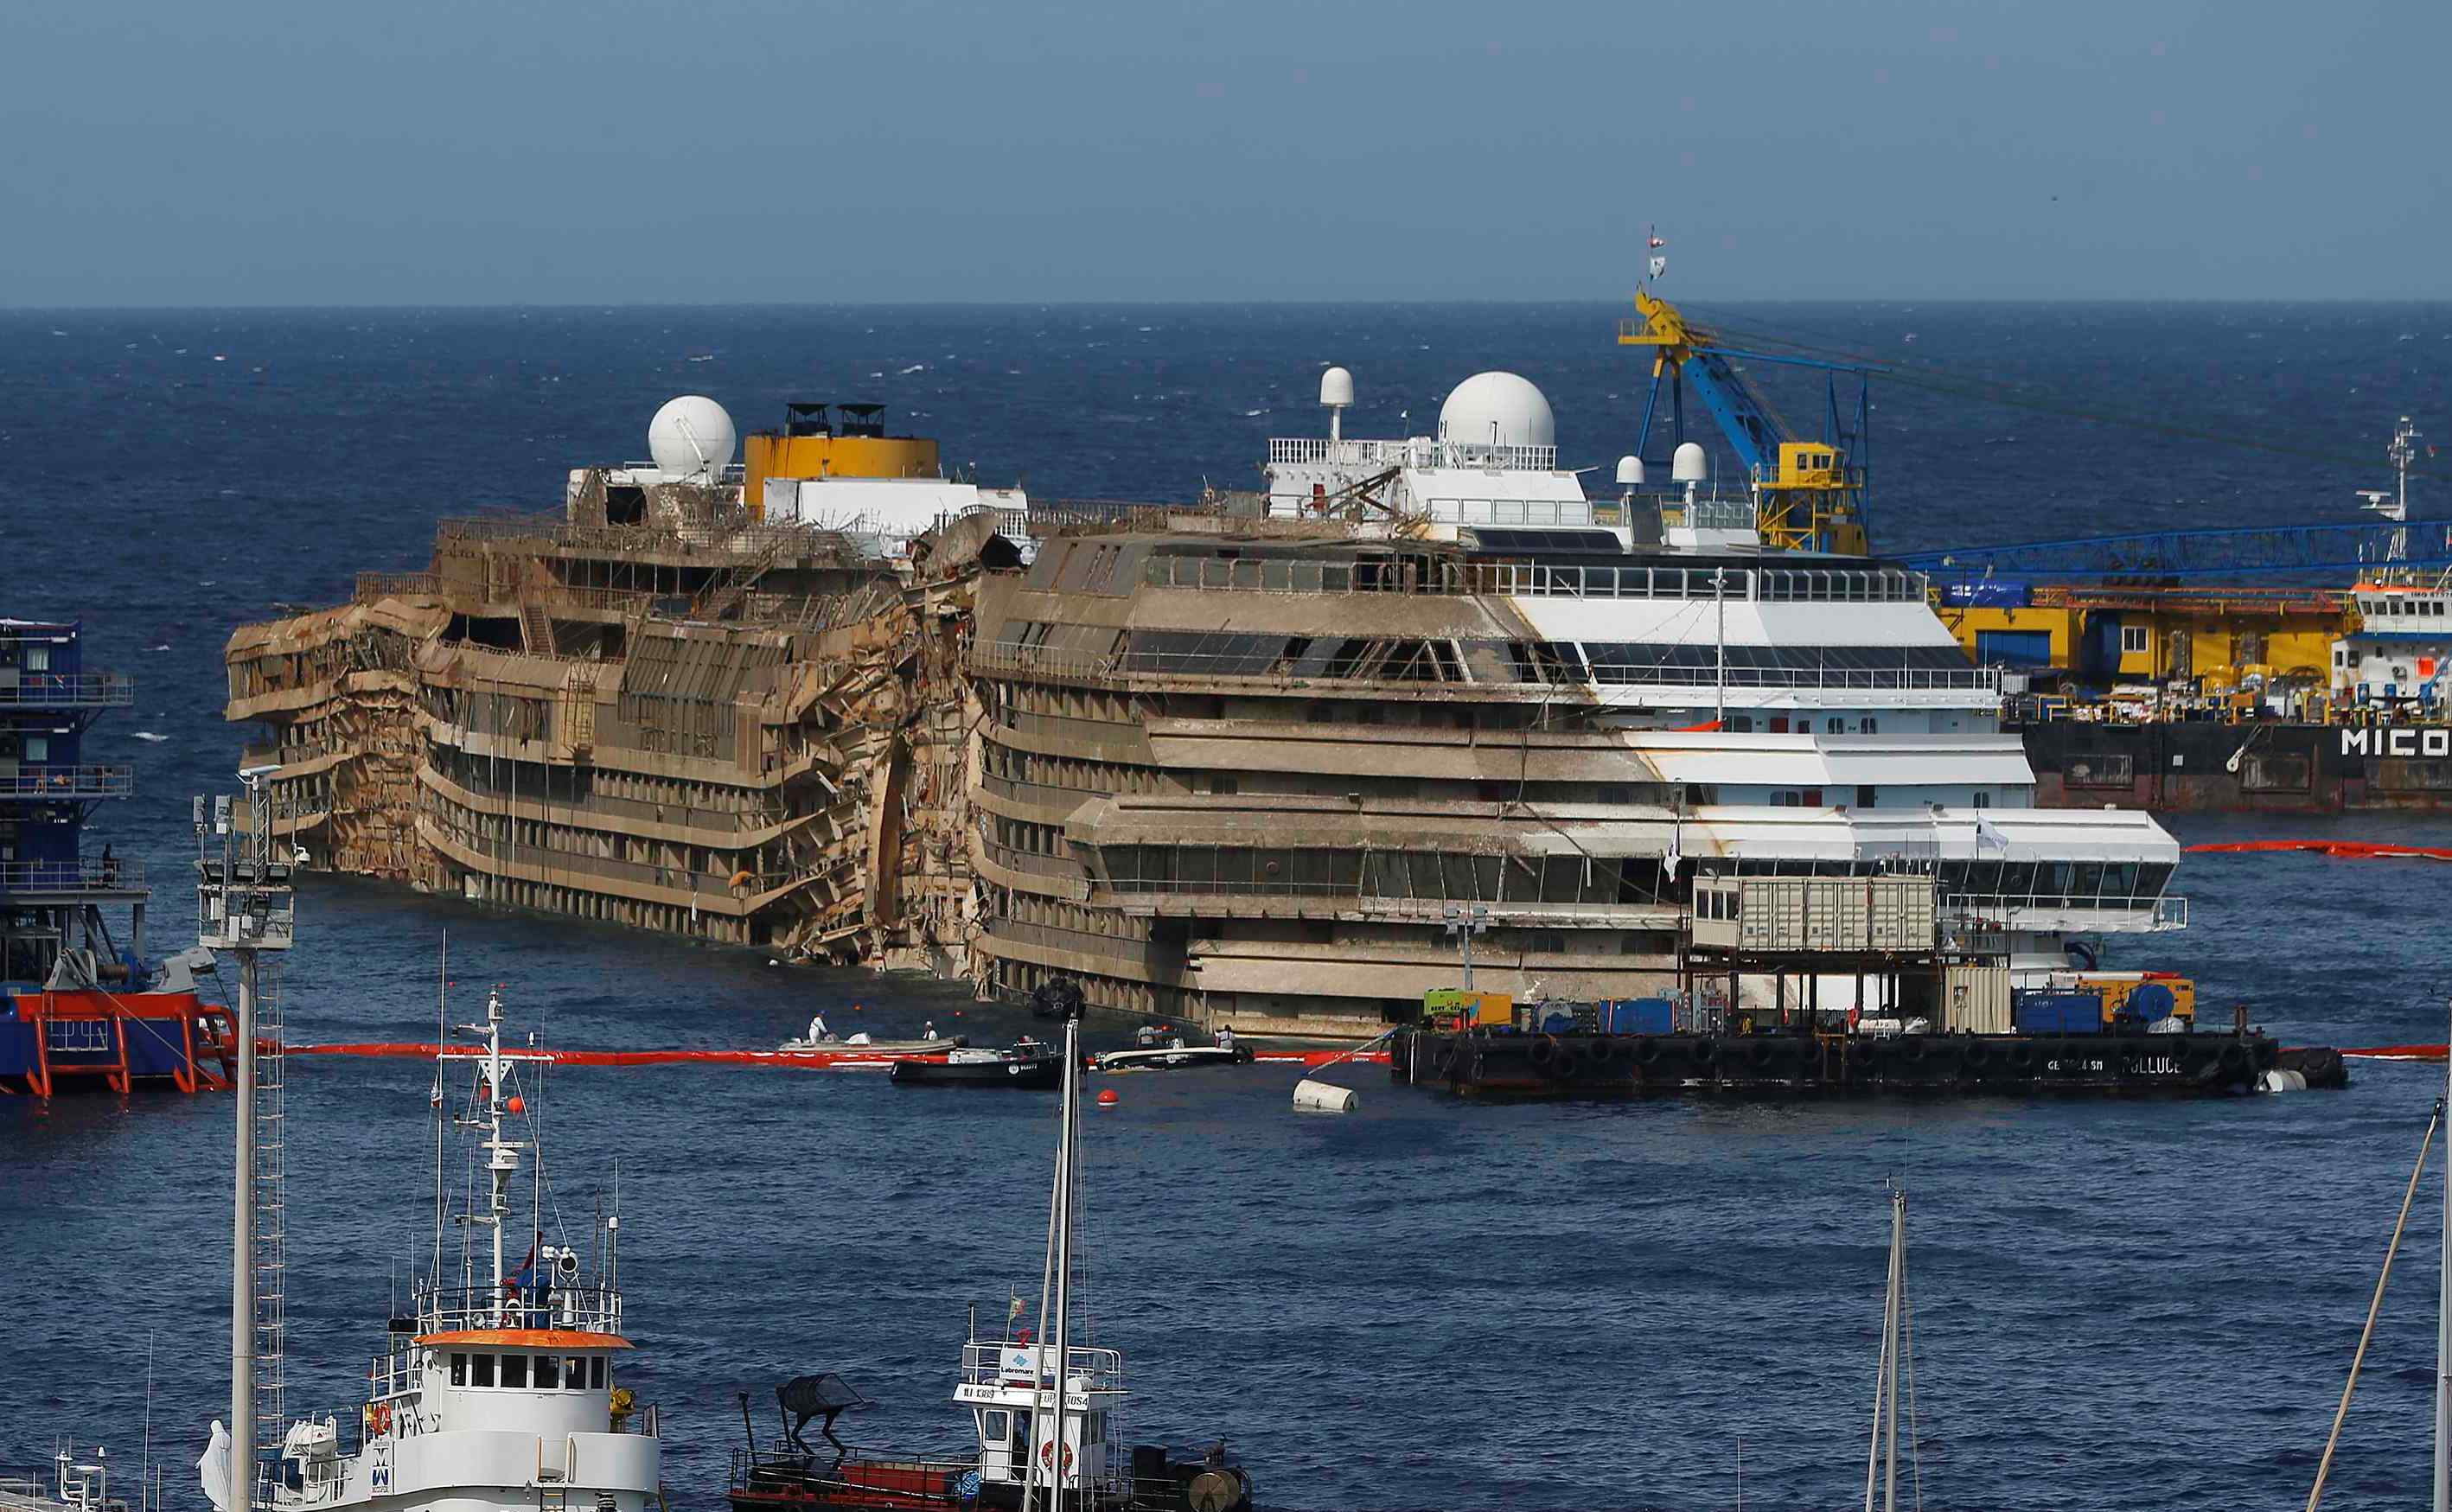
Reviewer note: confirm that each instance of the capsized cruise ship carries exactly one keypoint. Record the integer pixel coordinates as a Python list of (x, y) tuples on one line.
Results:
[(1276, 769), (1278, 760)]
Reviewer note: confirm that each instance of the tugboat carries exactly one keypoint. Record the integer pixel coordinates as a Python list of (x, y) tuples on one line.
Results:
[(1039, 1446), (498, 1391)]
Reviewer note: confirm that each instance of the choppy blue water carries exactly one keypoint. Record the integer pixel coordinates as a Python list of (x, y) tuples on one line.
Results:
[(1426, 1305)]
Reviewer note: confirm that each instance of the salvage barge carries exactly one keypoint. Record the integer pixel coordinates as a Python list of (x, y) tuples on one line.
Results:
[(1483, 1063)]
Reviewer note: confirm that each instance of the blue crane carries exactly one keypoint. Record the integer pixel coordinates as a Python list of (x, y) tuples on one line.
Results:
[(1809, 494)]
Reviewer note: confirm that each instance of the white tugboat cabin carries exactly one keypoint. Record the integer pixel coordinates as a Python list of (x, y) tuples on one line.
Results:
[(1010, 1388), (500, 1392)]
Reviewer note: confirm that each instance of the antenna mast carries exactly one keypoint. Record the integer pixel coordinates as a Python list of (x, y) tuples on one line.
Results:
[(245, 906)]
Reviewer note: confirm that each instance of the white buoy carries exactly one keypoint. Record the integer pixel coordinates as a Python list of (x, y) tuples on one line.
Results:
[(1323, 1097), (2278, 1081)]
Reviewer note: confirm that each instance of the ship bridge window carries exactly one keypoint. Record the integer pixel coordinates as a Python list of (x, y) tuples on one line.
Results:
[(481, 1370), (548, 1372), (459, 1367), (515, 1371)]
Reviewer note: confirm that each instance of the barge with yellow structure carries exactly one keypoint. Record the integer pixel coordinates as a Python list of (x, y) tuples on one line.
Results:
[(2174, 696)]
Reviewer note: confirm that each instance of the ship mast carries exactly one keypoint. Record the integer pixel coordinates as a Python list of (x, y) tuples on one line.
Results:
[(502, 1156)]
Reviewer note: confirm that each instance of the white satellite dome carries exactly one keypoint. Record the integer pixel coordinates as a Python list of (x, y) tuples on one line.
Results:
[(1630, 472), (1687, 464), (691, 437), (1497, 409), (1336, 387)]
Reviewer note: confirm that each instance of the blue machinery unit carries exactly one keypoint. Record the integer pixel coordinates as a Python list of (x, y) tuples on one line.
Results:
[(1808, 494)]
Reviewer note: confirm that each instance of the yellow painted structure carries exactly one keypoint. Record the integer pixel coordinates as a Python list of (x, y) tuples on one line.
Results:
[(2116, 986), (1810, 499), (1454, 1003), (774, 454), (2214, 638)]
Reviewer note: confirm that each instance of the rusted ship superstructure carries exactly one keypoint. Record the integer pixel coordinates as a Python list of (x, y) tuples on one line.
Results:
[(1278, 771), (1283, 763), (672, 705)]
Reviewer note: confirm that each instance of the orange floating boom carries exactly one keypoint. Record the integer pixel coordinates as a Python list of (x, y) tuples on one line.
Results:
[(2345, 850), (849, 1058)]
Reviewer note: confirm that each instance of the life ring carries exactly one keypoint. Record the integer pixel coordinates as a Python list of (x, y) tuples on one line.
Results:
[(380, 1415), (1047, 1455)]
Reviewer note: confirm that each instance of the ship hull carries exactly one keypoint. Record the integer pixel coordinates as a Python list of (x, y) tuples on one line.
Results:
[(2270, 766)]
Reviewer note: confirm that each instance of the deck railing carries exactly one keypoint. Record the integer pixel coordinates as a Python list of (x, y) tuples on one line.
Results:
[(1977, 911), (69, 690), (68, 782), (1451, 576), (82, 874)]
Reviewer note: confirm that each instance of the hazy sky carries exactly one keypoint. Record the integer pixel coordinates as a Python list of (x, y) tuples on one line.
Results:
[(497, 151)]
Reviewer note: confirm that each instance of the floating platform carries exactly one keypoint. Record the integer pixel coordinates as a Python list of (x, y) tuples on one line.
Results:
[(1504, 1063), (52, 1042)]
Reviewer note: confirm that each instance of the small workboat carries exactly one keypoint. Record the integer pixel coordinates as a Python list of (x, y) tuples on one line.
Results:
[(1173, 1057), (1044, 1416), (862, 1045), (1027, 1064)]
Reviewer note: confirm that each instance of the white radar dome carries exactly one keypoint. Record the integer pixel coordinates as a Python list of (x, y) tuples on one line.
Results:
[(691, 437), (1497, 409), (1630, 472), (1335, 388), (1689, 465)]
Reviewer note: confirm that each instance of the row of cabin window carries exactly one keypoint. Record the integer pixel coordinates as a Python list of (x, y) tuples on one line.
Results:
[(551, 1372), (1803, 724), (2428, 608), (998, 1425)]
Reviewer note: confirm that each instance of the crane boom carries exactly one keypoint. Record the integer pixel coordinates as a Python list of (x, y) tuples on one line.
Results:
[(1808, 494)]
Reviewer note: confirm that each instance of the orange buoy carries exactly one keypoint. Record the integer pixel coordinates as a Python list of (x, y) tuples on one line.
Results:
[(1108, 1098), (517, 1103)]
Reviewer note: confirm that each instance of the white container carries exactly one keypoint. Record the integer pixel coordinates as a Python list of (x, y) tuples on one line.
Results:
[(1323, 1097)]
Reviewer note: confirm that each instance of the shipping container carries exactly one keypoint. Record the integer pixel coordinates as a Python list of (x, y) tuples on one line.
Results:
[(1804, 914), (1643, 1015), (2058, 1012), (1976, 1000)]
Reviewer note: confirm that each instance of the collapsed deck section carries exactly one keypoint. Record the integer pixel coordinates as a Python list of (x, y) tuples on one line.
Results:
[(687, 721)]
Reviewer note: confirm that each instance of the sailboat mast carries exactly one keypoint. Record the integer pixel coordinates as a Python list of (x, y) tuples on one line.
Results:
[(1890, 1349), (1065, 1151), (2443, 1334)]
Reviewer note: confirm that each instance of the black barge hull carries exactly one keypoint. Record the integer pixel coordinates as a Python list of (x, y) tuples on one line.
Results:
[(1484, 1064)]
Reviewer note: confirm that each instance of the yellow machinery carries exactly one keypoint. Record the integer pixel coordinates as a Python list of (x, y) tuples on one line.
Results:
[(1809, 496), (2119, 987), (1465, 1010), (830, 441)]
